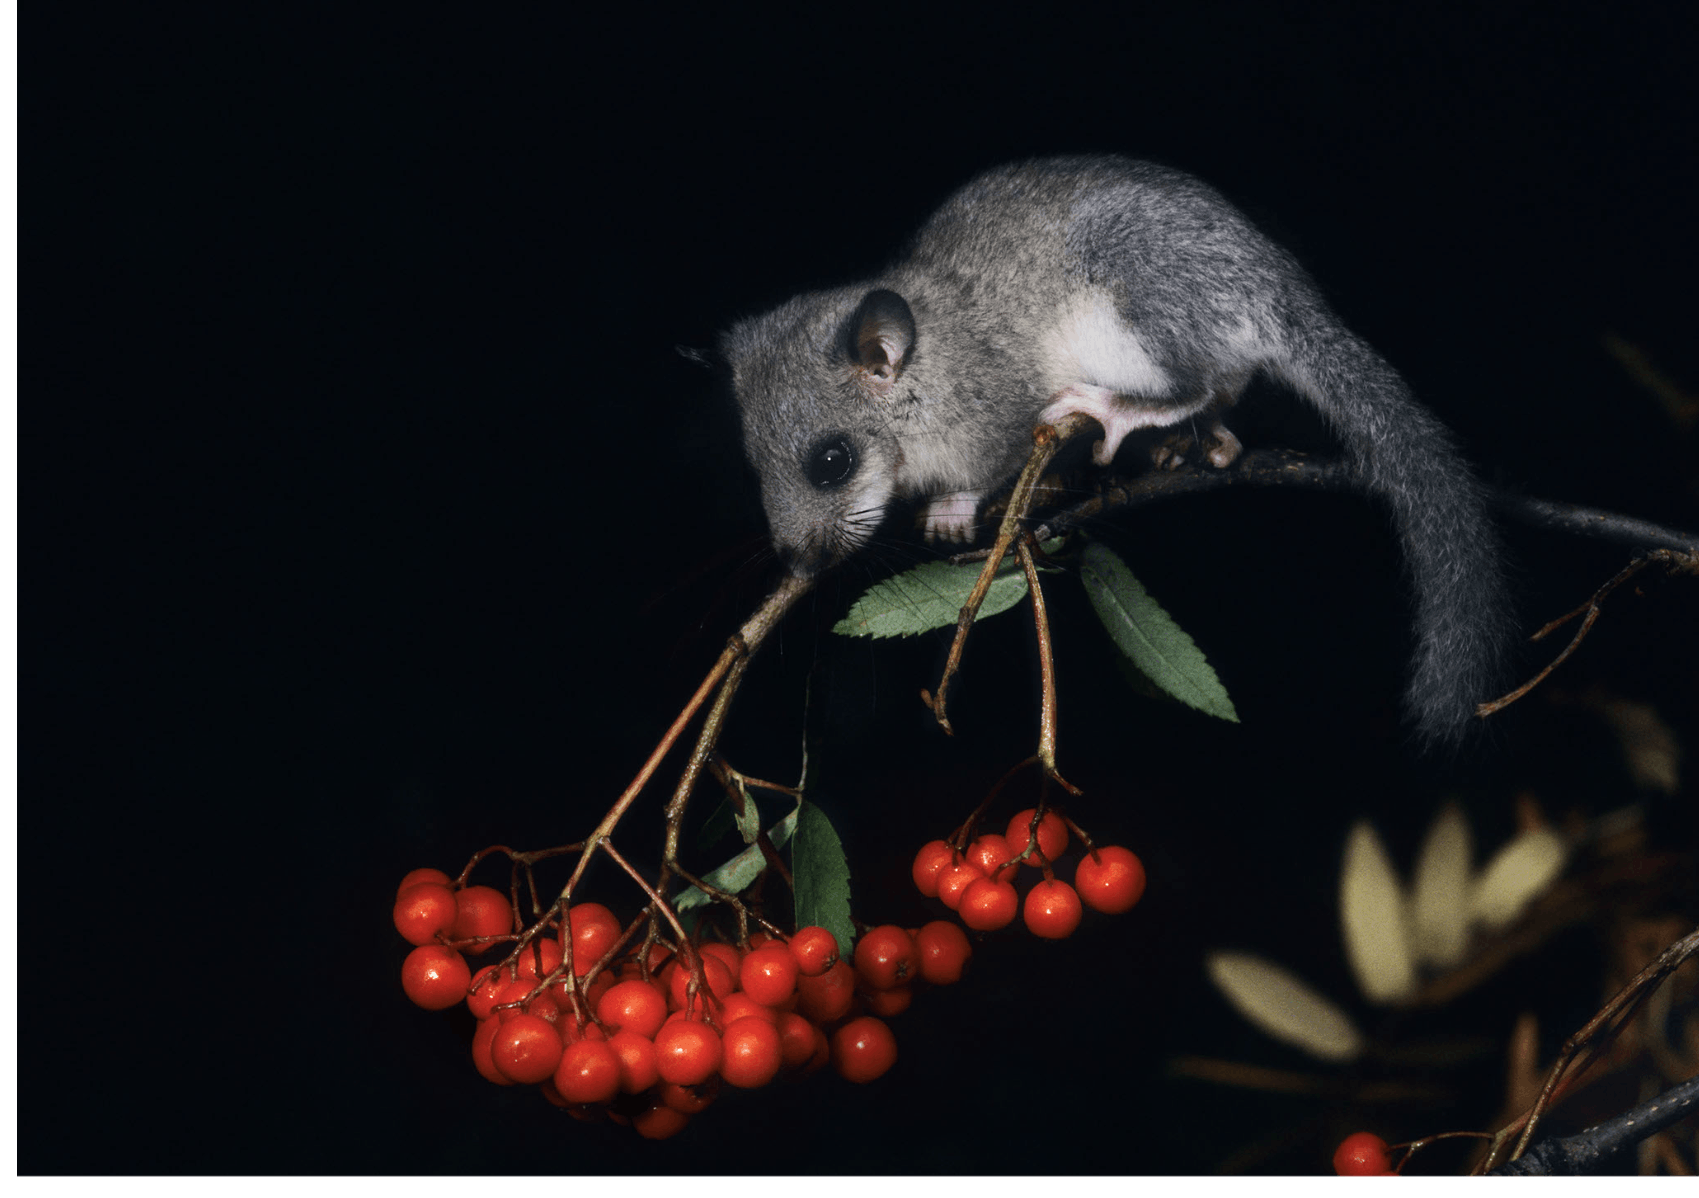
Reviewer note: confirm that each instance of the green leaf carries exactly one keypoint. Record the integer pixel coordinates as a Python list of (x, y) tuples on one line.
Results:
[(749, 819), (929, 596), (736, 874), (1148, 635), (821, 876)]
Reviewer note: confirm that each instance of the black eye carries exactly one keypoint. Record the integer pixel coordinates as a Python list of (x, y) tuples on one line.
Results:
[(831, 463)]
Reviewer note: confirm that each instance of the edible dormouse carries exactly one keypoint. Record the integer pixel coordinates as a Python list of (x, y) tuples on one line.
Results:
[(1139, 296)]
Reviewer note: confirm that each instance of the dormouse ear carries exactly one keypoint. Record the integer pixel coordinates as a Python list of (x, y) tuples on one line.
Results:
[(881, 339)]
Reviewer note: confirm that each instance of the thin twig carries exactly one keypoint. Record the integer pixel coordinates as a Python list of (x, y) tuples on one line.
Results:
[(1623, 1002), (1676, 563)]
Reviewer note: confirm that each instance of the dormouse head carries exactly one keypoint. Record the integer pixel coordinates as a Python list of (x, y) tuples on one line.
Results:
[(814, 380)]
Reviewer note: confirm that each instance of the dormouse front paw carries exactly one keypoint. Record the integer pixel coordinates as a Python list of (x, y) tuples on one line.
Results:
[(950, 517)]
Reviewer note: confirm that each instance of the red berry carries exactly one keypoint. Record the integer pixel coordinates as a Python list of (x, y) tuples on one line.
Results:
[(416, 876), (588, 1072), (822, 1052), (863, 1049), (543, 1006), (741, 1006), (692, 1099), (638, 1069), (659, 1122), (1052, 910), (885, 957), (486, 983), (592, 994), (594, 931), (987, 905), (943, 950), (571, 1031), (990, 851), (481, 911), (721, 982), (435, 977), (482, 1039), (526, 1049), (886, 1003), (796, 1039), (1361, 1154), (687, 1052), (725, 954), (954, 879), (553, 1095), (631, 966), (815, 950), (752, 1052), (633, 1006), (549, 950), (827, 997), (768, 975), (424, 910), (1111, 884), (1052, 835), (934, 855)]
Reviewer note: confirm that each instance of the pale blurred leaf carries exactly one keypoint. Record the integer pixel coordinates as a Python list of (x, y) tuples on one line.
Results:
[(1516, 874), (1373, 918), (1439, 903), (1649, 744), (1284, 1007)]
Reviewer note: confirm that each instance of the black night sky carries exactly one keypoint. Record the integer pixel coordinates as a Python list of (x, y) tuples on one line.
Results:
[(368, 517)]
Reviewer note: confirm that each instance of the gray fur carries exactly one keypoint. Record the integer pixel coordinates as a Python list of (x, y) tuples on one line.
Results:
[(1133, 292)]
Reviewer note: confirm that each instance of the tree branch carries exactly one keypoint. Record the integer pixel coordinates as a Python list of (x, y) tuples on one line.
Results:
[(1587, 1151), (1289, 468)]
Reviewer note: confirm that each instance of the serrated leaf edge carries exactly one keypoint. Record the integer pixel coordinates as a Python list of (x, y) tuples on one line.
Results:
[(1179, 684)]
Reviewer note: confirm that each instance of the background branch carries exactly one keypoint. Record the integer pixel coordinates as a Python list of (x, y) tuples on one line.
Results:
[(1587, 1151)]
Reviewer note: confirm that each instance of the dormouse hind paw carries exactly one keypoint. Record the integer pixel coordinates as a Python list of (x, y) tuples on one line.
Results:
[(1219, 446)]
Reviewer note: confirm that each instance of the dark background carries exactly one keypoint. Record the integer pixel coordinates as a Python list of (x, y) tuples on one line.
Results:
[(368, 517)]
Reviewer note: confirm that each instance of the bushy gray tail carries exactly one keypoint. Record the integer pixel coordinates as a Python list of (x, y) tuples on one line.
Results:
[(1401, 453)]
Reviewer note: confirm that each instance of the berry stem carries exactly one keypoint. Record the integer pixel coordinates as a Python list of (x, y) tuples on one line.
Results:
[(1046, 670), (657, 903), (1046, 440), (1081, 833), (727, 669), (962, 836)]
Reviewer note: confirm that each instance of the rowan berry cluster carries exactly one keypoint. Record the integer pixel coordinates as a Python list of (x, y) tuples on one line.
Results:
[(978, 882), (647, 1037)]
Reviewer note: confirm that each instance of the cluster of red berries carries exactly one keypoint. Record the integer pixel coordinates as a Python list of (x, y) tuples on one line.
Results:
[(1363, 1154), (978, 883), (651, 1044)]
